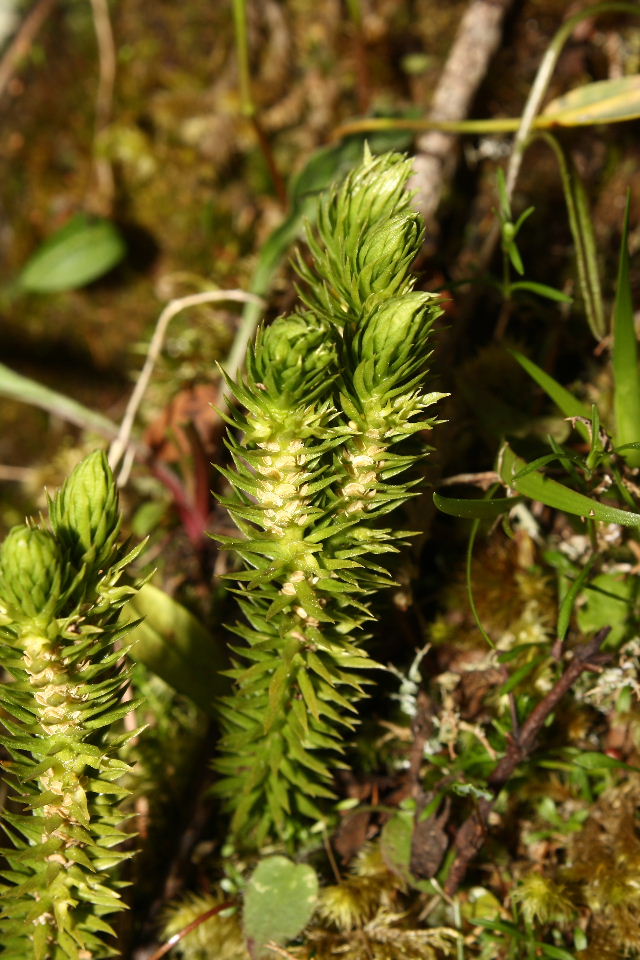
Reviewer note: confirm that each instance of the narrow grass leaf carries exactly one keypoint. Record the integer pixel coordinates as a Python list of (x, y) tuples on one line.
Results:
[(591, 760), (521, 674), (16, 387), (625, 356), (563, 398), (543, 290), (472, 602), (568, 603), (584, 241), (554, 953)]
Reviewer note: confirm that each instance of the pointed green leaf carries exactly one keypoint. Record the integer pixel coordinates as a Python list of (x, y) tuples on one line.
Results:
[(568, 603), (487, 509), (542, 289)]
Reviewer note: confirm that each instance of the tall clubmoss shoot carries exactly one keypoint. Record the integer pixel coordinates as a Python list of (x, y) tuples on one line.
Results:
[(63, 647), (332, 398)]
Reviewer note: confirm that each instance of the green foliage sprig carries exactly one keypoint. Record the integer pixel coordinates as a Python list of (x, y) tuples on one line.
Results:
[(62, 644), (332, 398)]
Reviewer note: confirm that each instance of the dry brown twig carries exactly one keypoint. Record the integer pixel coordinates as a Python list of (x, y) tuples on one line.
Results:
[(122, 441), (177, 937), (23, 40), (476, 41), (472, 833), (104, 101)]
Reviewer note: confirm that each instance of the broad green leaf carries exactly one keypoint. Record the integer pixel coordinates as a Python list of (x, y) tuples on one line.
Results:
[(173, 643), (487, 509), (605, 101), (395, 842), (16, 387), (567, 403), (278, 903), (553, 494), (607, 604), (86, 248), (625, 356)]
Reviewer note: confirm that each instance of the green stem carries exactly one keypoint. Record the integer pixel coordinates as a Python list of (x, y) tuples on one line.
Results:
[(373, 124), (242, 52)]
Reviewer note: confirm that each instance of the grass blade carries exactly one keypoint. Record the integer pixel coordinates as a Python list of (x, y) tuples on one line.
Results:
[(583, 238), (563, 398), (16, 387), (625, 356)]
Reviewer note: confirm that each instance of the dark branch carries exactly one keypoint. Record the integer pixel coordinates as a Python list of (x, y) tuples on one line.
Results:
[(472, 833)]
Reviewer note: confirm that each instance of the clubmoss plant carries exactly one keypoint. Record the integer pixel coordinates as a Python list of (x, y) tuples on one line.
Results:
[(332, 399), (61, 642)]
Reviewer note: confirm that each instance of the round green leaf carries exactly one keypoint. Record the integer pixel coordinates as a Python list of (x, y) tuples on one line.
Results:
[(279, 901)]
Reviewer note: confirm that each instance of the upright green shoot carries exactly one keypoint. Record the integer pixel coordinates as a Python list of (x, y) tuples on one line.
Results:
[(333, 397), (62, 644)]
